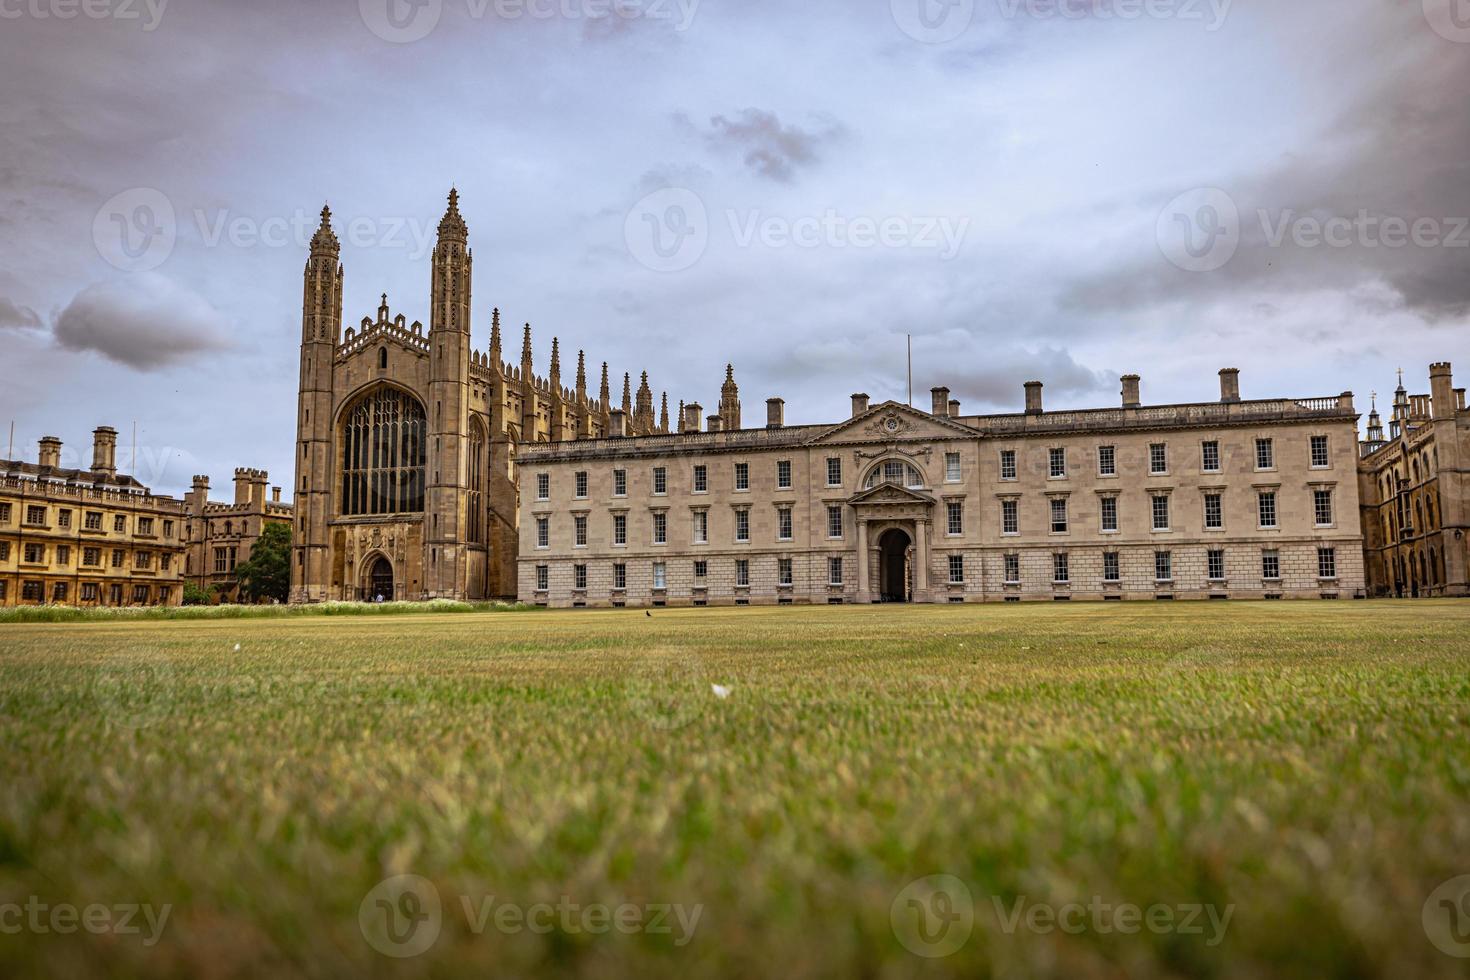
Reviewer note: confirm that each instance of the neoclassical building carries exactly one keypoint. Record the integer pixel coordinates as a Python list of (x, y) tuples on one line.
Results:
[(1229, 498), (407, 437), (1415, 488)]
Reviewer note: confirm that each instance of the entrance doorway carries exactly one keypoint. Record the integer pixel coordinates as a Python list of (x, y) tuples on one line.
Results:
[(893, 566), (380, 581)]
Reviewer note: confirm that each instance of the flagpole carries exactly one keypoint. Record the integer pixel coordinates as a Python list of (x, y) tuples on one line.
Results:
[(911, 370)]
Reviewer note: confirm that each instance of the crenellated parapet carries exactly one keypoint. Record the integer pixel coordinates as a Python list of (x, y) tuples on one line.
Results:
[(385, 327)]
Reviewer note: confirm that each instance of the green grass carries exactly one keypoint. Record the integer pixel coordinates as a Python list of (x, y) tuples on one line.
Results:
[(93, 614), (1303, 763)]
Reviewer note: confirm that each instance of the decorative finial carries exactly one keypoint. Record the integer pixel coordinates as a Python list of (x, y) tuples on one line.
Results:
[(526, 345), (325, 240), (452, 225)]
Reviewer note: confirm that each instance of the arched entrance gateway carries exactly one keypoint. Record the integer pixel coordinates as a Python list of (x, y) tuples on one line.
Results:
[(893, 566), (380, 580), (894, 516)]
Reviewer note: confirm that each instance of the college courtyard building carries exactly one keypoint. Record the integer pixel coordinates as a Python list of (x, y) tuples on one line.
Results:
[(426, 468), (91, 536), (1225, 499)]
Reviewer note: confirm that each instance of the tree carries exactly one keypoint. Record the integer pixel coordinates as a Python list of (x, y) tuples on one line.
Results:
[(267, 573), (194, 595)]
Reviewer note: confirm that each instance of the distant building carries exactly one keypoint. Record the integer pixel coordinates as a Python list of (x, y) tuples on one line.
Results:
[(96, 537), (1415, 489), (1223, 499), (86, 537), (218, 536)]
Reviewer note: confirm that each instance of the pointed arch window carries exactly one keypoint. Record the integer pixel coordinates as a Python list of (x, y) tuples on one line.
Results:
[(383, 358), (383, 455), (477, 483)]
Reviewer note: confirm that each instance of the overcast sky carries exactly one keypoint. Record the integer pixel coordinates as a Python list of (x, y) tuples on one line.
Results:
[(1155, 186)]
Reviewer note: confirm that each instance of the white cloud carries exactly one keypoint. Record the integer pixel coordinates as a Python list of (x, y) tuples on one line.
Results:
[(145, 321)]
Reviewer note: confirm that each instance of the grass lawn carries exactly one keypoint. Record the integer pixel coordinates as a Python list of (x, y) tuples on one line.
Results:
[(1270, 788)]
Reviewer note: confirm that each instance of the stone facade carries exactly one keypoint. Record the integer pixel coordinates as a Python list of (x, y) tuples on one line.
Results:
[(218, 536), (1415, 489), (1229, 498), (407, 438), (86, 537)]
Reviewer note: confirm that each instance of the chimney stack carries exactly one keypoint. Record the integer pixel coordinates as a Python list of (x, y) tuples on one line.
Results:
[(104, 450), (940, 401), (1130, 391), (617, 424), (692, 414), (1441, 391), (1230, 385), (859, 404), (49, 453), (954, 408), (1033, 398), (714, 424), (775, 413), (275, 495)]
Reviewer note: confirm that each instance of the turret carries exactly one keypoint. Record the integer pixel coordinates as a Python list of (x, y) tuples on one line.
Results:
[(446, 514), (321, 332), (730, 400), (643, 421)]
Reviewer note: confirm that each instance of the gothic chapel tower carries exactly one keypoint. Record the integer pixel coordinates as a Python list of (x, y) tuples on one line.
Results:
[(446, 568), (321, 331)]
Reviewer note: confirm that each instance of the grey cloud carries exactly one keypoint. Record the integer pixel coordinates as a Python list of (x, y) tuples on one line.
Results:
[(144, 321), (1398, 148), (15, 317), (771, 149)]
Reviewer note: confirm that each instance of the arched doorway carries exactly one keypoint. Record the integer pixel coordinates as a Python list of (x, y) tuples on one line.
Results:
[(380, 580), (893, 572)]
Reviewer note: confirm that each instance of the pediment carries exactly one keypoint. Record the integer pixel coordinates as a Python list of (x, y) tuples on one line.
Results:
[(890, 421), (889, 493)]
